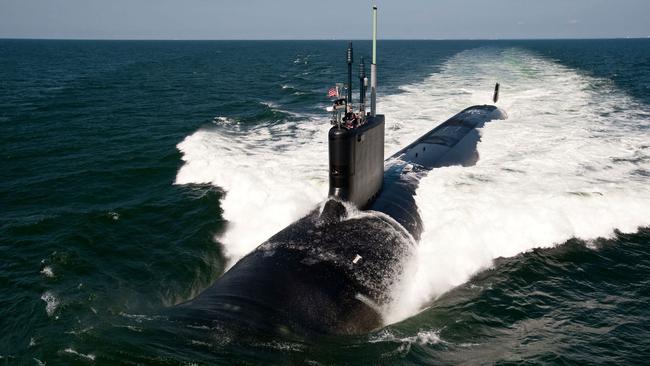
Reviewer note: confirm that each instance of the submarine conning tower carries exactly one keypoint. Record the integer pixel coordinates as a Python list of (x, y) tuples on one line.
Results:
[(356, 139)]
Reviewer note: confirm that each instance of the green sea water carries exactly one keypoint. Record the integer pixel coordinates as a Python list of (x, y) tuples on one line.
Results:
[(135, 173)]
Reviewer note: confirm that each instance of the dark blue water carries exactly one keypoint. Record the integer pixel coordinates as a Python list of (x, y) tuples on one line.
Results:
[(96, 240)]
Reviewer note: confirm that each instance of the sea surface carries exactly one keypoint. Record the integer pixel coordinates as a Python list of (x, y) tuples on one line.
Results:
[(135, 172)]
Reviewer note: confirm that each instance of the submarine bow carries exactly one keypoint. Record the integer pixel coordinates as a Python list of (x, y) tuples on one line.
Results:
[(333, 270)]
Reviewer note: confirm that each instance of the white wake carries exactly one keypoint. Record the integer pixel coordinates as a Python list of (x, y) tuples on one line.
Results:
[(572, 160)]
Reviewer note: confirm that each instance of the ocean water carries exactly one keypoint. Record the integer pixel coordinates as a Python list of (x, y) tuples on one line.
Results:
[(135, 173)]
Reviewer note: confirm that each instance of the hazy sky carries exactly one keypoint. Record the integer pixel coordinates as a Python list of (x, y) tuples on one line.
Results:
[(322, 19)]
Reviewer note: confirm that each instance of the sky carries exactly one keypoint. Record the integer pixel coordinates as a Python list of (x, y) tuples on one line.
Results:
[(323, 19)]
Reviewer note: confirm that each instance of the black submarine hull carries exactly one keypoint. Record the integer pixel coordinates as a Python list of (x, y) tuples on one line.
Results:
[(332, 271)]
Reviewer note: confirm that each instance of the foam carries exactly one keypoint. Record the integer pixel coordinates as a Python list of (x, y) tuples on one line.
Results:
[(88, 357), (47, 272), (51, 302), (571, 161), (221, 120), (556, 169), (422, 338), (272, 175)]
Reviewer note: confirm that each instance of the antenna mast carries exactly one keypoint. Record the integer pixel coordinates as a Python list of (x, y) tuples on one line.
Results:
[(362, 88), (350, 60), (373, 66)]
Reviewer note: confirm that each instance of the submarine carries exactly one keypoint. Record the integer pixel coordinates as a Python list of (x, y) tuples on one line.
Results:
[(332, 271)]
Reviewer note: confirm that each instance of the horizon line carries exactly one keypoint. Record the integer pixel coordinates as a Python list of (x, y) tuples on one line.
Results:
[(323, 39)]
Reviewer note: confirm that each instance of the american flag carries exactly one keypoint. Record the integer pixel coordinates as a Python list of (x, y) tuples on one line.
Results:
[(333, 92)]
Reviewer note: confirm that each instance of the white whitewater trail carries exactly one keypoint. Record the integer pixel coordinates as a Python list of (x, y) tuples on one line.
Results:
[(572, 160), (272, 176)]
